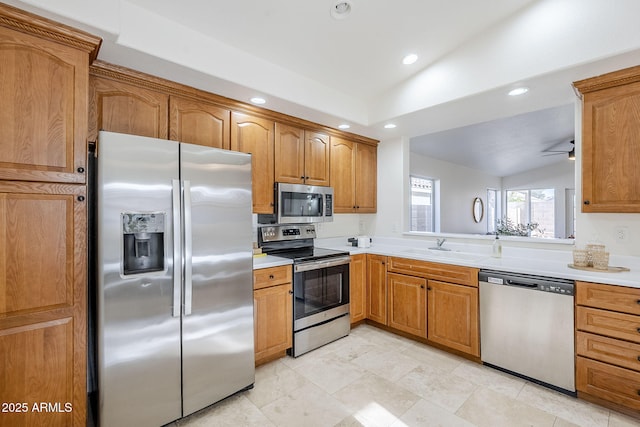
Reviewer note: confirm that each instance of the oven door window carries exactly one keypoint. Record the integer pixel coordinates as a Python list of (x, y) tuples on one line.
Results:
[(319, 290), (301, 204)]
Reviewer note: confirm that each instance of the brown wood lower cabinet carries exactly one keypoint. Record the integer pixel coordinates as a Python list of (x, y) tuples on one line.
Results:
[(408, 304), (377, 288), (43, 301), (273, 315), (357, 288), (608, 345), (453, 316)]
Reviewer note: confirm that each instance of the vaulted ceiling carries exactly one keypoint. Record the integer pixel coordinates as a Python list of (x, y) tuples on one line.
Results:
[(334, 71)]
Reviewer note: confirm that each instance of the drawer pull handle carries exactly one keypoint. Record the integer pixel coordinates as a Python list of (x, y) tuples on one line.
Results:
[(271, 276)]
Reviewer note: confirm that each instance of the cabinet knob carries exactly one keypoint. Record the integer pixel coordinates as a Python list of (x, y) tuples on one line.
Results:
[(638, 330), (638, 301), (302, 177), (421, 286), (306, 177), (271, 276), (428, 288), (290, 292), (586, 202), (81, 198), (80, 169), (638, 358)]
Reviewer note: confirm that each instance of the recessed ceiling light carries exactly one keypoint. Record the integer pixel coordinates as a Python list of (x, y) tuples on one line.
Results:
[(258, 100), (389, 126), (410, 59), (518, 91), (341, 9), (344, 126)]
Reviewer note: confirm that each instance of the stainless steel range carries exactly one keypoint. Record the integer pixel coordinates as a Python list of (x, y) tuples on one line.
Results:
[(320, 285)]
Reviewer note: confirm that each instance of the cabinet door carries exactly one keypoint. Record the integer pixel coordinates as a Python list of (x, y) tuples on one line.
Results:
[(408, 304), (316, 158), (254, 135), (198, 122), (273, 320), (453, 316), (357, 284), (608, 382), (611, 149), (43, 300), (289, 154), (124, 108), (343, 175), (366, 178), (43, 113), (377, 288)]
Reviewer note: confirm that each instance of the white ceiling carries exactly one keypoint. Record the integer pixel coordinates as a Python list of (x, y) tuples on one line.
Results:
[(329, 71)]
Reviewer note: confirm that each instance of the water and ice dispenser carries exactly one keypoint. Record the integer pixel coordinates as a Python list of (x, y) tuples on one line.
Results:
[(143, 242)]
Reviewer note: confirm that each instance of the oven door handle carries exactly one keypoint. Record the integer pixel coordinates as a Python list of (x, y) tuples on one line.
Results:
[(316, 265)]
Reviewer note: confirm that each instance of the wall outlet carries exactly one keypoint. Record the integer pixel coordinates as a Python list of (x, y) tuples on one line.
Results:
[(622, 233)]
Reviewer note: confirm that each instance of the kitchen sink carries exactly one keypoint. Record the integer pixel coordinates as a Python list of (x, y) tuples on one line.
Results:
[(442, 254)]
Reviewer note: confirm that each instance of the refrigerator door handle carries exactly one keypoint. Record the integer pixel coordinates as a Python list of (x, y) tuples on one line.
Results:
[(188, 253), (177, 265)]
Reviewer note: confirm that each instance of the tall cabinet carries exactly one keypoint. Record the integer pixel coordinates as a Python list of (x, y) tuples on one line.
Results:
[(44, 68)]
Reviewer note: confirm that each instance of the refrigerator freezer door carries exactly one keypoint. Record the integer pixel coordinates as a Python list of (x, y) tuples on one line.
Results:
[(138, 338), (217, 340)]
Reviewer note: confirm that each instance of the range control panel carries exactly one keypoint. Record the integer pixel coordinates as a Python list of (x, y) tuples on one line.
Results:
[(276, 233)]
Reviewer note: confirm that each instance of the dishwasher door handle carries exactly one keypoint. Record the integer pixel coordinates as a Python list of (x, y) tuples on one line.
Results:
[(523, 285)]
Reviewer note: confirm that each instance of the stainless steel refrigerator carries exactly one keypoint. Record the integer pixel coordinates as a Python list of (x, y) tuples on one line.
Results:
[(174, 282)]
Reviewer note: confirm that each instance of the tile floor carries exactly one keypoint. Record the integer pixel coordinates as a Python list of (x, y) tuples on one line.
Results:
[(375, 378)]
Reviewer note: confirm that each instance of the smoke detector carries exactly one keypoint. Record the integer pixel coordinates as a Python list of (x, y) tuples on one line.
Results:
[(341, 9)]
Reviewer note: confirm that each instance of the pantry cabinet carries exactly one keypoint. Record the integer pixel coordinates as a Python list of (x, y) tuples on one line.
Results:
[(353, 176), (301, 156), (608, 345), (44, 88), (273, 312), (254, 135), (611, 141), (44, 85), (357, 288)]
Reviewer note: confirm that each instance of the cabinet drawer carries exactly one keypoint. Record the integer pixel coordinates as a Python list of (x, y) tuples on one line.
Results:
[(609, 323), (608, 382), (265, 277), (431, 270), (610, 350), (610, 297)]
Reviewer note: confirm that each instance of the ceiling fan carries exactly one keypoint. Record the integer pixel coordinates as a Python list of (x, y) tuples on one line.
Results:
[(564, 147)]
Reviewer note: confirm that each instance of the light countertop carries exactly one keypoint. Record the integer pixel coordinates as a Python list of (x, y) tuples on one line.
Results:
[(269, 261), (542, 262)]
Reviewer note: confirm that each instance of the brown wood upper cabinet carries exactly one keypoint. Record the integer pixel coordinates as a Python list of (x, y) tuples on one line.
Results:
[(199, 122), (44, 84), (254, 135), (301, 156), (611, 142), (125, 108), (353, 176)]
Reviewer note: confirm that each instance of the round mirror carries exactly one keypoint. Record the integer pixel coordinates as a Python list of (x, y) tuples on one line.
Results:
[(478, 209)]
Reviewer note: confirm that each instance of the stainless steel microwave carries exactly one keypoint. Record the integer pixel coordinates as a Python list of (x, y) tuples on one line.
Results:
[(300, 204)]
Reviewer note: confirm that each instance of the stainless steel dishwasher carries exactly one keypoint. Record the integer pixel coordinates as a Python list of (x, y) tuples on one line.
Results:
[(527, 327)]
